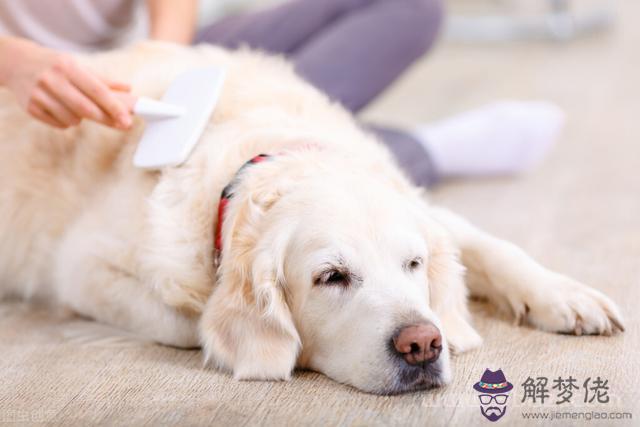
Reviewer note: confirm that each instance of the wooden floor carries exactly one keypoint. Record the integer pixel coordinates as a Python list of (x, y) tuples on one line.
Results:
[(579, 213)]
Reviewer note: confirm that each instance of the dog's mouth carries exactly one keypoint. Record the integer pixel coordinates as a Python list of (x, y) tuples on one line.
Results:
[(416, 378)]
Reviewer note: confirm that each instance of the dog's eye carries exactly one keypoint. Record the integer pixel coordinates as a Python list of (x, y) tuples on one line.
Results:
[(414, 264), (332, 278), (336, 277)]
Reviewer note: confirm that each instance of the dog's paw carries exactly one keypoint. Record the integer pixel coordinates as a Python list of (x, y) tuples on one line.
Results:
[(459, 333), (566, 306)]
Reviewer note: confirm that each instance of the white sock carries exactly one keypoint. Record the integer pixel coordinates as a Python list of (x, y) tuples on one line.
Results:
[(501, 138)]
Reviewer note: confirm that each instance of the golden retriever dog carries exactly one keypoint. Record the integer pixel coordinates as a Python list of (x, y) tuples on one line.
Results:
[(331, 260)]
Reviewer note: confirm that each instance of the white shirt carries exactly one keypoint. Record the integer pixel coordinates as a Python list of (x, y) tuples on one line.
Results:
[(74, 25)]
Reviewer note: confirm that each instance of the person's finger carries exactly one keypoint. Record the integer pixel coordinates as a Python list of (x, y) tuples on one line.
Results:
[(39, 113), (127, 99), (55, 108), (116, 85), (99, 93), (77, 101)]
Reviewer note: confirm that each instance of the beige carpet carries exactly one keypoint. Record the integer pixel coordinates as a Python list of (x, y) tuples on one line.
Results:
[(579, 213)]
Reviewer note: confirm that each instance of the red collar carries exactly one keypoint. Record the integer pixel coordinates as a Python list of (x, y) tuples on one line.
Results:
[(227, 194)]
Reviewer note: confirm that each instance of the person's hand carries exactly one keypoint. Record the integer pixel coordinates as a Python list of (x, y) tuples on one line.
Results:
[(55, 89)]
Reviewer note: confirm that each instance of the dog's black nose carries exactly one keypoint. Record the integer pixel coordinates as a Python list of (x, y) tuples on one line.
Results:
[(417, 344)]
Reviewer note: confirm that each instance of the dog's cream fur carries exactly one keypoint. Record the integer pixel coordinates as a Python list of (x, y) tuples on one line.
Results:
[(132, 248)]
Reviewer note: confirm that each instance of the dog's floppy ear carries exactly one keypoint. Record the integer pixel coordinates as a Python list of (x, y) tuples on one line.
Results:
[(447, 290), (247, 326)]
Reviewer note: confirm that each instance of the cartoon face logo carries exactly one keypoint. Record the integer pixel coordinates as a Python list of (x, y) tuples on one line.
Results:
[(493, 389)]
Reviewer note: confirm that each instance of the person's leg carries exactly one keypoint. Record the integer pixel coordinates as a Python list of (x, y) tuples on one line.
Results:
[(350, 49), (410, 154), (281, 29), (358, 56)]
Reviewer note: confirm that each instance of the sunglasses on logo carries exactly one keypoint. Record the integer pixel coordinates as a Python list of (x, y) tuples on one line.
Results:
[(500, 399)]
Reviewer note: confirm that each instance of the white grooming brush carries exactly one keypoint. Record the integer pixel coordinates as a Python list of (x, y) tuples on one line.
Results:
[(174, 124)]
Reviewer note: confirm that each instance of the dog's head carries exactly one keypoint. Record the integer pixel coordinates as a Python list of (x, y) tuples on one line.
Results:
[(336, 272)]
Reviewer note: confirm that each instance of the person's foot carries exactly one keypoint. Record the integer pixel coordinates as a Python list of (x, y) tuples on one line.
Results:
[(501, 138)]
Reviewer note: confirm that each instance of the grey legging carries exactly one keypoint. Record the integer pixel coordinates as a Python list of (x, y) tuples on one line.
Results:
[(351, 49)]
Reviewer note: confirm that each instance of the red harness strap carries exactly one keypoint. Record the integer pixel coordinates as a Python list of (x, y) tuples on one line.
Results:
[(227, 194)]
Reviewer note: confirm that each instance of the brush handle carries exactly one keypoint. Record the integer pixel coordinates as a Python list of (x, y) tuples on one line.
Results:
[(150, 109)]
